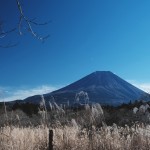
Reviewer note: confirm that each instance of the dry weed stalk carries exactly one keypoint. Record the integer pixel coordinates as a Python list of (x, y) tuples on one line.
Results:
[(79, 132)]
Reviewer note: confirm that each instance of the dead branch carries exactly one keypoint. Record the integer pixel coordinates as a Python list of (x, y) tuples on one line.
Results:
[(3, 33), (9, 45), (23, 21), (29, 23)]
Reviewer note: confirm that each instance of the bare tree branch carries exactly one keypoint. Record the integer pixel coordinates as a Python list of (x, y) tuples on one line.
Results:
[(29, 23), (24, 22), (35, 23), (9, 45), (4, 33)]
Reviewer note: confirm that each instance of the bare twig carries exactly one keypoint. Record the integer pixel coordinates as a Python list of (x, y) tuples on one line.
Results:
[(29, 23), (8, 45), (23, 22), (3, 33)]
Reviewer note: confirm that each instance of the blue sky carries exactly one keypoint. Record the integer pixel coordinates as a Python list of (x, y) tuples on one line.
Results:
[(85, 36)]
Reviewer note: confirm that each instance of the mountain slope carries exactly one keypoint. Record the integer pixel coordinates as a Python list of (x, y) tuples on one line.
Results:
[(102, 86)]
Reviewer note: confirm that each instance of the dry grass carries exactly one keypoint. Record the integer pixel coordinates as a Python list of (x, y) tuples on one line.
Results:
[(15, 138), (73, 138), (83, 130)]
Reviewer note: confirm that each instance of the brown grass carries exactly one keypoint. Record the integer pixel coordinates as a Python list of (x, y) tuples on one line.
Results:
[(73, 138), (82, 130)]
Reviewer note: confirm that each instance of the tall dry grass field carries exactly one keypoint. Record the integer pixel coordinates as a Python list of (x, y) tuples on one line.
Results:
[(73, 138), (73, 130)]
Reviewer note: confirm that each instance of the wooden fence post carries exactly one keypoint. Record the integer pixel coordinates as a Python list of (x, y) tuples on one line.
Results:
[(50, 139)]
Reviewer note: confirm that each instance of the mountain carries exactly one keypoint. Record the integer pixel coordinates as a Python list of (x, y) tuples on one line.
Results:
[(103, 87)]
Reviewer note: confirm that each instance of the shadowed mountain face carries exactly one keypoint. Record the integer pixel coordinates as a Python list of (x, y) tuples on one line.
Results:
[(103, 87)]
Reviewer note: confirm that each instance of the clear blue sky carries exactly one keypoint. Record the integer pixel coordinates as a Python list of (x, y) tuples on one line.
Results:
[(85, 36)]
